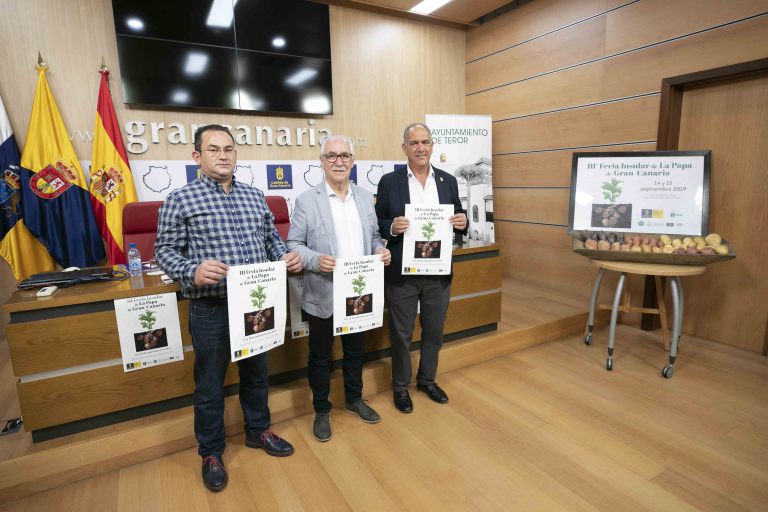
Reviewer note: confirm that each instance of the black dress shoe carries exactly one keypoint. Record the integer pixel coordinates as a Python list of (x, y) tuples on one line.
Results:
[(270, 443), (434, 392), (402, 400), (214, 474)]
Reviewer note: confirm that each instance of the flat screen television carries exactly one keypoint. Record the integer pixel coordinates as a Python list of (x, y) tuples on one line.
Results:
[(248, 55)]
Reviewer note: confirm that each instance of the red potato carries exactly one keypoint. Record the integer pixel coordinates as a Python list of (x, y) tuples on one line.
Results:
[(707, 250), (604, 245), (590, 244), (626, 247), (615, 246), (693, 250)]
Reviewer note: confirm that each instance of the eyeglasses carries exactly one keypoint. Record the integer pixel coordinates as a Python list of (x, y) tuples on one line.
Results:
[(332, 157), (228, 152)]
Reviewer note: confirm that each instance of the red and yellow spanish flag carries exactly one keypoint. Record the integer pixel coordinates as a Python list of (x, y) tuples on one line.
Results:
[(111, 179), (54, 193)]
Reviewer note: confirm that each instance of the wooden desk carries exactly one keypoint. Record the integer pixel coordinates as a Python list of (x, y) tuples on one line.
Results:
[(674, 272), (65, 349)]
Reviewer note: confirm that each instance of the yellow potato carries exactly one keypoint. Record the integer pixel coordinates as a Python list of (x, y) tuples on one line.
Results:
[(676, 243), (721, 249), (668, 249), (635, 248), (665, 239), (687, 241), (699, 240), (713, 239), (701, 245), (656, 250), (645, 247)]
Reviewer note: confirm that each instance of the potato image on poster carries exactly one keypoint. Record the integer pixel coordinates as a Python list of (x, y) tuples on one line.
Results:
[(360, 303), (262, 319), (612, 215), (151, 338), (427, 248)]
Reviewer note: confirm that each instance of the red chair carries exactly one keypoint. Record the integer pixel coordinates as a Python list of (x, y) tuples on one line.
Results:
[(140, 223), (279, 207), (140, 227)]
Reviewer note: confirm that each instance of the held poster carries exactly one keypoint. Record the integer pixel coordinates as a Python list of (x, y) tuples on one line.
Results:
[(256, 297), (149, 331), (643, 192), (462, 147), (358, 294), (299, 324), (428, 242)]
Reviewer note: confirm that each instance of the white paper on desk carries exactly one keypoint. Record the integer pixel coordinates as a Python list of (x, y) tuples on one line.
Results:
[(256, 298), (428, 242), (149, 331), (299, 326), (358, 294)]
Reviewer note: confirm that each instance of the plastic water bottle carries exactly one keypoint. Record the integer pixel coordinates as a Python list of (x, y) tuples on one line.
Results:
[(134, 261)]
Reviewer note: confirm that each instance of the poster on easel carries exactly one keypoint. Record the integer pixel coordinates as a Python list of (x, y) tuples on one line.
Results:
[(299, 322), (428, 241), (358, 294), (659, 192), (256, 298), (149, 331)]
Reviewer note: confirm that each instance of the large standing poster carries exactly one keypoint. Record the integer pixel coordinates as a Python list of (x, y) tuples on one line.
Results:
[(256, 298), (462, 147), (643, 192), (358, 294), (149, 331)]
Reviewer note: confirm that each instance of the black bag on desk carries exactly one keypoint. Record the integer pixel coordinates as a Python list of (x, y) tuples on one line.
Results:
[(64, 279)]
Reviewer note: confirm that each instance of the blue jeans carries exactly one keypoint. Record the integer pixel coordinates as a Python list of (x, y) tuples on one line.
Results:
[(209, 326)]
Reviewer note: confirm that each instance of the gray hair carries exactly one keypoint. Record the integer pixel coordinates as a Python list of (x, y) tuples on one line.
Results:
[(411, 127), (348, 140)]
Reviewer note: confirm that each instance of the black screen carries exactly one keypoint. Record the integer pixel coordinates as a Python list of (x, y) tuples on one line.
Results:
[(255, 55)]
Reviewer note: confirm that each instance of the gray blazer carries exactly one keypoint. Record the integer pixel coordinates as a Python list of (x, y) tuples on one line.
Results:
[(312, 235)]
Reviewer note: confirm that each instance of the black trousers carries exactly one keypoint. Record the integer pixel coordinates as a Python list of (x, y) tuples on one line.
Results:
[(434, 293), (320, 359)]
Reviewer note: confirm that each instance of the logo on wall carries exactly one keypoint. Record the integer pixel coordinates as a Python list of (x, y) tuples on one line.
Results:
[(53, 180), (107, 183), (193, 172), (279, 177)]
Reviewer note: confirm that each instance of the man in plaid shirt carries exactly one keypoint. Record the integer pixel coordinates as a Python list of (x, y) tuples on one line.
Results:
[(203, 228)]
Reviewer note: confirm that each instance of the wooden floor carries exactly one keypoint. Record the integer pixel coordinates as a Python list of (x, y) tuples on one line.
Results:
[(546, 428)]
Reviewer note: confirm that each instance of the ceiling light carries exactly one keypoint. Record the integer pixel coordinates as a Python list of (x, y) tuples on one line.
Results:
[(135, 24), (300, 77), (196, 63), (221, 14), (428, 6)]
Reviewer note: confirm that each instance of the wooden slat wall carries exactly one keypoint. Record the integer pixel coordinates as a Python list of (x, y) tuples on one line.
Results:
[(559, 76)]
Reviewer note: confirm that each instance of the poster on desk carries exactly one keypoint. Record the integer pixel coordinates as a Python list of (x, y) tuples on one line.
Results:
[(149, 331), (299, 323), (256, 299), (659, 192), (428, 242), (358, 294)]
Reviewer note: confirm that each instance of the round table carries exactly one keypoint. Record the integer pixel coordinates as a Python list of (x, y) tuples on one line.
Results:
[(673, 272)]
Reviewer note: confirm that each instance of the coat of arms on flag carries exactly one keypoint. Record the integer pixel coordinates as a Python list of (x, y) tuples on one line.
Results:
[(107, 184), (52, 180), (9, 186)]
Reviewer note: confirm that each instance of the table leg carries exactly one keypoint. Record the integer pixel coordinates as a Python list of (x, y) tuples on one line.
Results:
[(614, 318), (592, 306), (677, 321)]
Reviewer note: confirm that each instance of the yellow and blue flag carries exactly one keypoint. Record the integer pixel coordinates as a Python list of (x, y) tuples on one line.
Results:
[(55, 199), (18, 246)]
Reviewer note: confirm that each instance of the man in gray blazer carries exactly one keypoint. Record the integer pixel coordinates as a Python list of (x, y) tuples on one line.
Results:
[(333, 219)]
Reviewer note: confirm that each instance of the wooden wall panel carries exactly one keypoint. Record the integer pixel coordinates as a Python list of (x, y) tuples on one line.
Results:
[(544, 205), (374, 58), (531, 20), (545, 168), (543, 255), (475, 275), (616, 31), (622, 121), (729, 303), (633, 73)]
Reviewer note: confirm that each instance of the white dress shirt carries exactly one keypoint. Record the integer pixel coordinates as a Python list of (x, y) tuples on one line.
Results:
[(426, 194), (347, 224)]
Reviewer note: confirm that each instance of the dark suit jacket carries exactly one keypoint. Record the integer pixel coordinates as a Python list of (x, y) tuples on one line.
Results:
[(391, 197)]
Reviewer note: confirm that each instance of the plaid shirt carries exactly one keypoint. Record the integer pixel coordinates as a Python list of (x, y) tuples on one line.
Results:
[(202, 222)]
